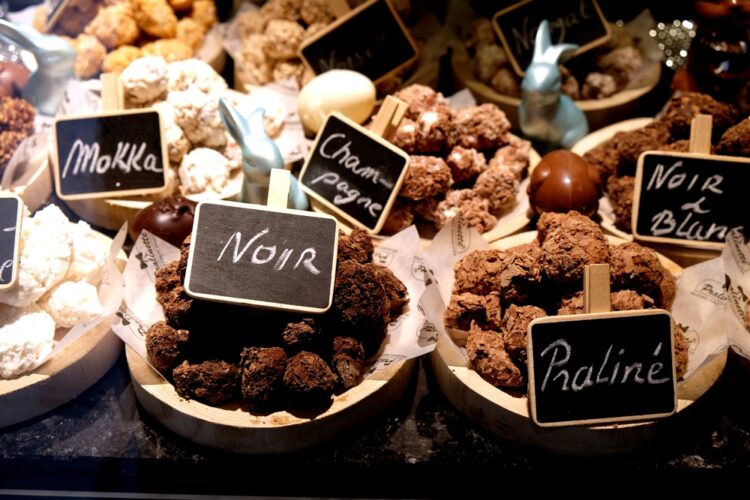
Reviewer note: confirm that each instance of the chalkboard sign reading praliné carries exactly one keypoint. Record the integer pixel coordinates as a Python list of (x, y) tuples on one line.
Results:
[(571, 21), (109, 154), (370, 39), (354, 172), (259, 256), (11, 215), (690, 199), (601, 368)]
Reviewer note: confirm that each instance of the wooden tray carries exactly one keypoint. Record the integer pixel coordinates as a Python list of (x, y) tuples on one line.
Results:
[(508, 416), (233, 429), (64, 376), (599, 112)]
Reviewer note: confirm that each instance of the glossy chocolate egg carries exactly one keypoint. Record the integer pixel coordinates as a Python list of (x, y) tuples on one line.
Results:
[(564, 181), (171, 219)]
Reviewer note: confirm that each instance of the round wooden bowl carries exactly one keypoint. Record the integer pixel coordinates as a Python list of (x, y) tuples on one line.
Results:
[(62, 377), (599, 112), (683, 256), (508, 416), (234, 429)]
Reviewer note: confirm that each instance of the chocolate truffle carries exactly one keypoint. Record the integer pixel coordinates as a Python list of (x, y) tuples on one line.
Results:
[(262, 373), (516, 322), (564, 181), (165, 346), (486, 351), (308, 379), (213, 382), (171, 219)]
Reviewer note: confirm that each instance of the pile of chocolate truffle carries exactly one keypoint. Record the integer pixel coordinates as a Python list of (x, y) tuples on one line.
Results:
[(497, 293), (449, 173), (216, 353), (616, 158)]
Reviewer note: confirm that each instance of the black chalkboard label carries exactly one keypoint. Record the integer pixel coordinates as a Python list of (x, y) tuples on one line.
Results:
[(109, 154), (571, 21), (354, 172), (690, 199), (264, 257), (601, 368), (11, 215), (370, 39)]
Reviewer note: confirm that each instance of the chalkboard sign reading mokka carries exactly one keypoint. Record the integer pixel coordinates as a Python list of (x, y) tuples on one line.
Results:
[(370, 39), (11, 215), (255, 255), (354, 172), (109, 154), (571, 21), (690, 199), (601, 368)]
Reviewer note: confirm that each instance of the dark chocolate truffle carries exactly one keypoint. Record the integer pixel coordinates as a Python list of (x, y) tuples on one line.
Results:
[(171, 219)]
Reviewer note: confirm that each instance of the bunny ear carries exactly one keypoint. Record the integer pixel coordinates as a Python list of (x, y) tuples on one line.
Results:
[(542, 41), (560, 53)]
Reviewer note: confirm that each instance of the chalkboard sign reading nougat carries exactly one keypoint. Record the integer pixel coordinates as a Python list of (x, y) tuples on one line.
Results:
[(109, 154), (11, 214), (268, 258)]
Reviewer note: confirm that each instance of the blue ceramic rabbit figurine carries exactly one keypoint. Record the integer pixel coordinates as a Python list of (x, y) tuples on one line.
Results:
[(259, 155), (55, 59), (546, 116)]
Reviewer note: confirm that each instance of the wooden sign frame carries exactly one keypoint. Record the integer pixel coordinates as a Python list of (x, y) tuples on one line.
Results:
[(276, 199), (386, 124), (581, 49), (16, 243), (111, 193), (348, 16)]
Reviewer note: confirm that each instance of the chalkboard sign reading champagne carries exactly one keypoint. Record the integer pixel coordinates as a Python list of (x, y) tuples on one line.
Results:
[(601, 368), (264, 257), (11, 215), (354, 172), (109, 154), (690, 199), (571, 21), (370, 39)]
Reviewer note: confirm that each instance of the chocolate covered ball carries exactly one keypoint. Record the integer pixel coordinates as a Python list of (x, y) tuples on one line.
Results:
[(171, 219), (564, 181), (13, 78)]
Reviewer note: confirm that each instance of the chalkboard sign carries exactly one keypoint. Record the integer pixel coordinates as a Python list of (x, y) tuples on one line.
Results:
[(109, 154), (601, 368), (11, 215), (264, 257), (370, 39), (690, 199), (55, 8), (570, 21), (354, 172)]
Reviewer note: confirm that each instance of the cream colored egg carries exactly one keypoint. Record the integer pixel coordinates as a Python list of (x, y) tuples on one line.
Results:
[(350, 93)]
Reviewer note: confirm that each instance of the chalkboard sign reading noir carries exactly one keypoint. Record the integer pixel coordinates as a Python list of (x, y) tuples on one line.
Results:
[(11, 215), (601, 368), (571, 21), (354, 172), (109, 154), (255, 255), (370, 39), (690, 199)]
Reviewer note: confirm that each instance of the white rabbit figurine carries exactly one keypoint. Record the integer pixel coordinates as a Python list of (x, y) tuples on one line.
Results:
[(546, 116)]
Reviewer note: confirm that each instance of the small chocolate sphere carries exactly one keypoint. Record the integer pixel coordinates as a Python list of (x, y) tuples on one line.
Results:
[(13, 77), (564, 181), (171, 219)]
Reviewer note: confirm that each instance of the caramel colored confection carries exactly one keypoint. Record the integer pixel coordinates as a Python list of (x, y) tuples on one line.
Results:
[(486, 351), (466, 164), (426, 177), (514, 156), (470, 205), (262, 373), (465, 309), (166, 347), (480, 127), (635, 267), (499, 186), (213, 382), (428, 133)]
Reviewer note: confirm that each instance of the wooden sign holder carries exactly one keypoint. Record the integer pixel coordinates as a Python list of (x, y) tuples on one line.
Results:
[(113, 98)]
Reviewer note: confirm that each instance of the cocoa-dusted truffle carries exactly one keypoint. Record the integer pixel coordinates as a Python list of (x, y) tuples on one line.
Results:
[(681, 350), (397, 294), (262, 373), (429, 133), (470, 205), (499, 186), (165, 346), (399, 218), (479, 271), (635, 267), (166, 279), (214, 382), (356, 245), (515, 325), (302, 334), (681, 146), (348, 360), (465, 164), (521, 273), (604, 159), (514, 156), (563, 181), (464, 309), (621, 300), (426, 177), (308, 379), (620, 191), (171, 219), (486, 351), (567, 249), (630, 145), (736, 140), (427, 208), (480, 127), (681, 109)]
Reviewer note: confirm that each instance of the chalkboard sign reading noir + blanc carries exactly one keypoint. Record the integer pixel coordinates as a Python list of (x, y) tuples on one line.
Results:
[(264, 257), (571, 21), (11, 215), (354, 172), (370, 39), (109, 154), (601, 368), (690, 199)]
